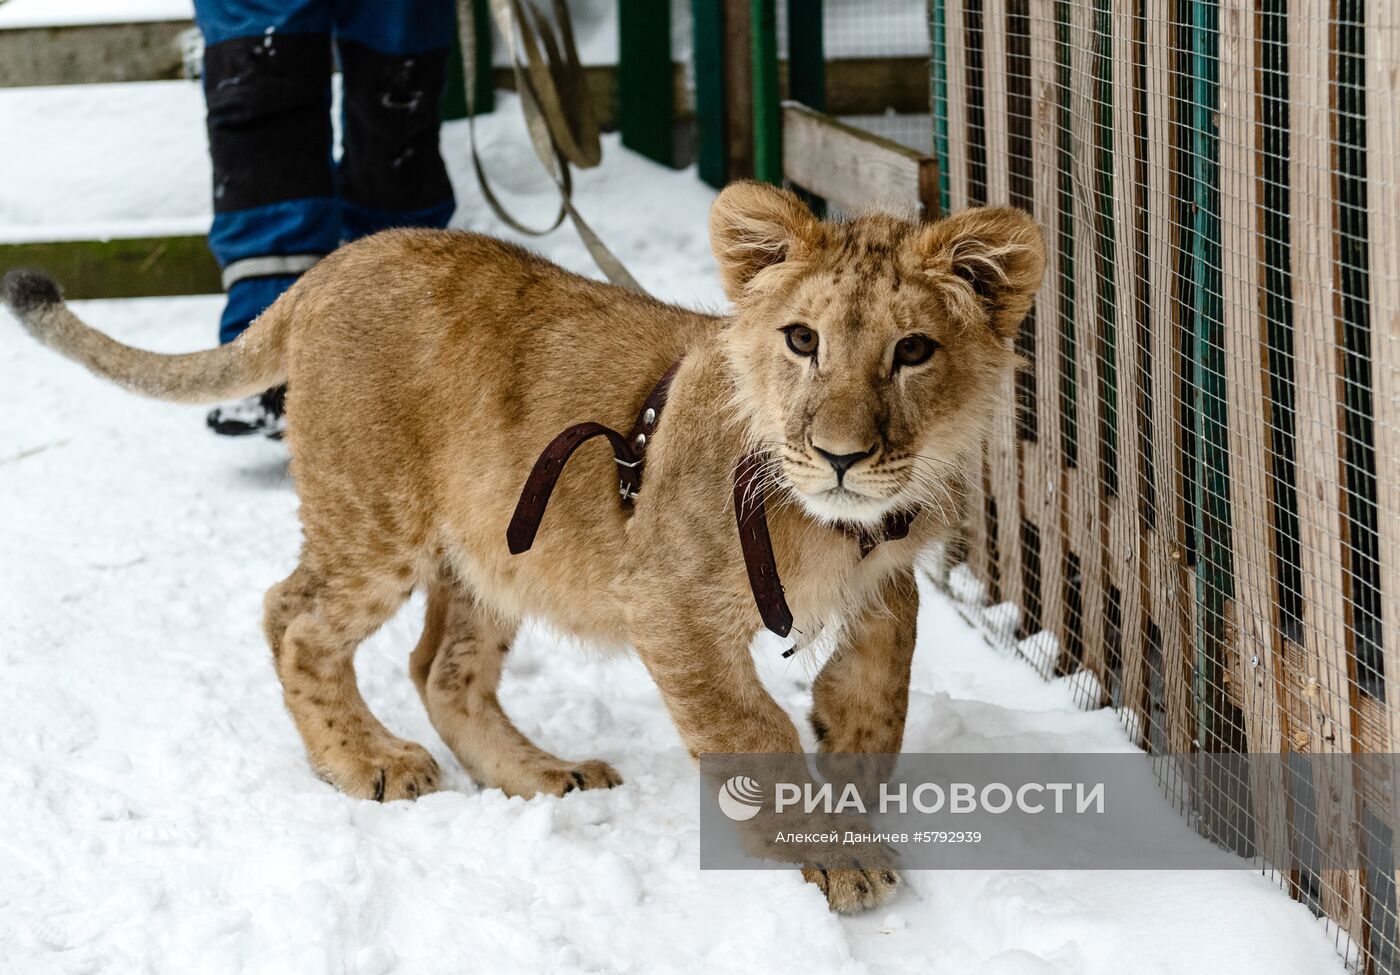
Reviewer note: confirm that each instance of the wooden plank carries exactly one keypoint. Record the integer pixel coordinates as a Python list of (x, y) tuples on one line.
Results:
[(1254, 652), (1331, 677), (1043, 475), (855, 86), (975, 521), (94, 53), (875, 85), (104, 53), (1085, 498), (957, 105), (998, 127), (600, 85), (1003, 450), (123, 268), (738, 88), (1169, 588), (1383, 199), (1127, 549), (853, 168)]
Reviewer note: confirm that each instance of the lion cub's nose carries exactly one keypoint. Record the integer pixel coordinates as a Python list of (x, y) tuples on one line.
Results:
[(841, 463)]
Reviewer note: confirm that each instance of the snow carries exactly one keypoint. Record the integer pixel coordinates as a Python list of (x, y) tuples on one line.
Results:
[(156, 809), (155, 173), (60, 13)]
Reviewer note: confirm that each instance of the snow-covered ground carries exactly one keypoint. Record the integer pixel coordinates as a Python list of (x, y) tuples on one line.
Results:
[(157, 813)]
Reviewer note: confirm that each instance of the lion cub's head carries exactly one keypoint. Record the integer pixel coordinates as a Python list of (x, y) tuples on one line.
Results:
[(870, 355)]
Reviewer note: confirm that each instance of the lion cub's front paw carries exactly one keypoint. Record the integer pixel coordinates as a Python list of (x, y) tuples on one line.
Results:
[(853, 891), (380, 769), (560, 779)]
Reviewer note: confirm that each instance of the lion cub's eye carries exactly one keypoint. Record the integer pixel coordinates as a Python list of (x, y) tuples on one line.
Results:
[(801, 339), (913, 350)]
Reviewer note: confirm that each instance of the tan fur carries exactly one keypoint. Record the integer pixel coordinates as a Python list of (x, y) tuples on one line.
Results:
[(426, 371)]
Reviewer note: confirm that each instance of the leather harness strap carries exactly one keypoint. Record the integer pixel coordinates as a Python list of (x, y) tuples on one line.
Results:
[(749, 511), (757, 547), (629, 451)]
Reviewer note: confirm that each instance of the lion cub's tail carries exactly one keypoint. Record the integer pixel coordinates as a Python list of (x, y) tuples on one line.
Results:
[(248, 365)]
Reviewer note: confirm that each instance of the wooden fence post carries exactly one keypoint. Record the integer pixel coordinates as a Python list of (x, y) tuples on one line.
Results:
[(1127, 530), (1330, 668), (1383, 198), (1166, 570), (1003, 452), (1044, 476), (738, 88), (1255, 652)]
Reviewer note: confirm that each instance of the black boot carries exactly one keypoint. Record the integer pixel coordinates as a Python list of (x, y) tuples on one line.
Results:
[(263, 414)]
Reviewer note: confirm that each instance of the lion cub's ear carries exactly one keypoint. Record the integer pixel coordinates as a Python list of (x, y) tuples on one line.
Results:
[(988, 256), (754, 226)]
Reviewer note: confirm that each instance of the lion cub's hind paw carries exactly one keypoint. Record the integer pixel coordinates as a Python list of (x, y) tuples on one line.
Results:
[(853, 891)]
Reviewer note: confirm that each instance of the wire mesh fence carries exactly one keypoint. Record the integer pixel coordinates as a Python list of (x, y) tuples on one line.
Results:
[(874, 35), (1194, 506)]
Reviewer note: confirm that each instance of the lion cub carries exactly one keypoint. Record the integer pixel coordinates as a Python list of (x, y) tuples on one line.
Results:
[(428, 369)]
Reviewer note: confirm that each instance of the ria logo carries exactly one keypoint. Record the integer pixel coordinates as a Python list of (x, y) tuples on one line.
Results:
[(740, 798)]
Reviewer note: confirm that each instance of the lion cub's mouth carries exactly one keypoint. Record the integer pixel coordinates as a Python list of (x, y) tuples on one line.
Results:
[(842, 503)]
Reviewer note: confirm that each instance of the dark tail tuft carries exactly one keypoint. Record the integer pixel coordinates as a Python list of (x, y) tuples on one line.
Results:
[(26, 291)]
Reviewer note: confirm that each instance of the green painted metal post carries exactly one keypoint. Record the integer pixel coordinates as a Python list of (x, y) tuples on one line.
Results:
[(645, 98), (939, 80), (1205, 314), (707, 39), (454, 99), (767, 117)]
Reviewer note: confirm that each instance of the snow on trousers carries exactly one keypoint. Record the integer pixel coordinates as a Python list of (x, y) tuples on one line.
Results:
[(281, 201)]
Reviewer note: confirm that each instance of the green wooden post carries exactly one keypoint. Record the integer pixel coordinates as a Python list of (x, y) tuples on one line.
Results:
[(711, 130), (645, 97), (767, 118), (454, 100)]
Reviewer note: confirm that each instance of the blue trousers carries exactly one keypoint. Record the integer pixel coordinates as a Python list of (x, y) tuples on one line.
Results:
[(280, 199)]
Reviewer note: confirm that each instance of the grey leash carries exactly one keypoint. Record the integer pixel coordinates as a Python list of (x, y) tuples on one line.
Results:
[(554, 100)]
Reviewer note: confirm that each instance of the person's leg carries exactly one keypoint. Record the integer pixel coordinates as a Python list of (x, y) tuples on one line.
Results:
[(393, 59), (267, 71)]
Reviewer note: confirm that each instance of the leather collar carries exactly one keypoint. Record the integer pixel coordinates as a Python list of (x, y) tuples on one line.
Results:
[(629, 452)]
